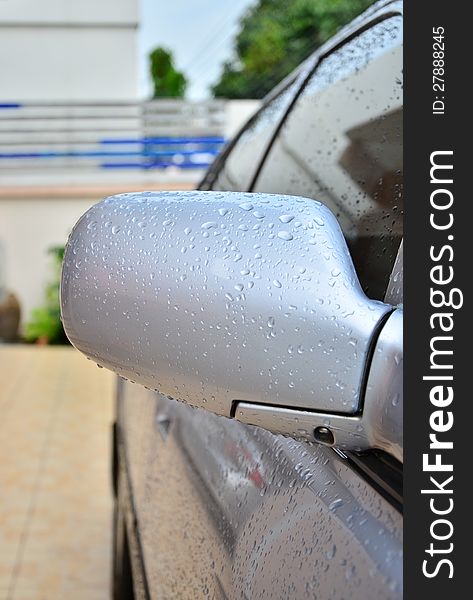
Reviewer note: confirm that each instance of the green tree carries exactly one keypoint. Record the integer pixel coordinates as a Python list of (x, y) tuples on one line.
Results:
[(167, 81), (275, 36)]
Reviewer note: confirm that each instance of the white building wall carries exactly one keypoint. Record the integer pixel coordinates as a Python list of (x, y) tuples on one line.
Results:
[(55, 51), (68, 50), (237, 112), (28, 227), (69, 11)]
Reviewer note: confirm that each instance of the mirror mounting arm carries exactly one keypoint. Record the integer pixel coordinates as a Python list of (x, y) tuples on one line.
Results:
[(377, 425)]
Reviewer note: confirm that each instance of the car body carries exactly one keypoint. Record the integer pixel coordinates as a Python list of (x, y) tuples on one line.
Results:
[(210, 507)]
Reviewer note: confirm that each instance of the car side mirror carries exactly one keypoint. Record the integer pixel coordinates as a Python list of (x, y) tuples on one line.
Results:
[(247, 305)]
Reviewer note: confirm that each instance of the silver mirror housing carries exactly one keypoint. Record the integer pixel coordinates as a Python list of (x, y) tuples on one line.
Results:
[(222, 299)]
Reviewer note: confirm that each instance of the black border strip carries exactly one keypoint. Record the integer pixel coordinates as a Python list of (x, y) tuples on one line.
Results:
[(437, 544)]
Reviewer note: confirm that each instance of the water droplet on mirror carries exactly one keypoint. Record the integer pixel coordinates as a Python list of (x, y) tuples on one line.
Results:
[(285, 235), (209, 225), (286, 218)]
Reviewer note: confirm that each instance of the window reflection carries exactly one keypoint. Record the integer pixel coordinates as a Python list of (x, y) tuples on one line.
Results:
[(342, 144)]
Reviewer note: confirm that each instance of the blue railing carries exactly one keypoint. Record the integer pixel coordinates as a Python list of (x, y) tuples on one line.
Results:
[(95, 135), (183, 153)]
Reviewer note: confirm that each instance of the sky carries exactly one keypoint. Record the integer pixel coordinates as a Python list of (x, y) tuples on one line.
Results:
[(198, 32)]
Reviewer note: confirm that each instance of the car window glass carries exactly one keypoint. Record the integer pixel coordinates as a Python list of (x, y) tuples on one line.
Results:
[(244, 158), (342, 144)]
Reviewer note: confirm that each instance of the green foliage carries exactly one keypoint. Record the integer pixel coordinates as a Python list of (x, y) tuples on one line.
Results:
[(167, 81), (45, 325), (275, 36)]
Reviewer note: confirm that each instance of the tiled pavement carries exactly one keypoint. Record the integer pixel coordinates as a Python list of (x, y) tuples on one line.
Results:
[(55, 496)]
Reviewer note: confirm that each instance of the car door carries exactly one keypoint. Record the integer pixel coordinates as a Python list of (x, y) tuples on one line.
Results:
[(228, 510)]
